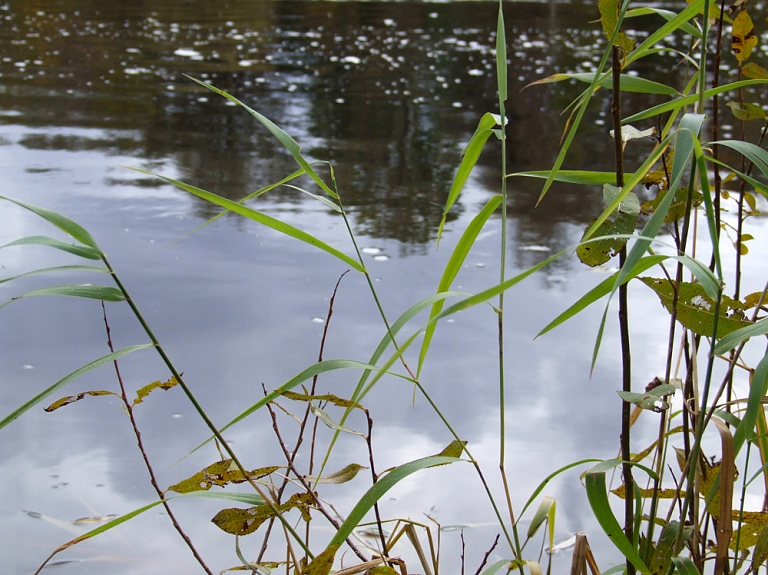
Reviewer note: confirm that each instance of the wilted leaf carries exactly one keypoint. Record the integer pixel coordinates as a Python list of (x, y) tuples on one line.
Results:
[(341, 476), (677, 207), (752, 70), (696, 310), (220, 473), (609, 17), (144, 391), (325, 418), (598, 252), (73, 398), (454, 449), (752, 525), (382, 570), (650, 398), (670, 493), (744, 38), (246, 521), (631, 133), (659, 176), (321, 564), (329, 397), (753, 299), (747, 111)]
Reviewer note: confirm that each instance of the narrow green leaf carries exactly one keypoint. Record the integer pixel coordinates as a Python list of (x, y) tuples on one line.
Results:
[(542, 513), (57, 269), (755, 154), (344, 475), (378, 490), (72, 376), (730, 341), (693, 10), (261, 218), (330, 203), (78, 250), (597, 495), (501, 56), (601, 290), (550, 477), (64, 224), (103, 293), (286, 140), (582, 177), (468, 161), (494, 568), (650, 399), (453, 266), (667, 15), (628, 83), (757, 390), (689, 100), (684, 566)]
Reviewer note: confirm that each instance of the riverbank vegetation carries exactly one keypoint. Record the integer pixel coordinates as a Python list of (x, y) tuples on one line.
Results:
[(678, 223)]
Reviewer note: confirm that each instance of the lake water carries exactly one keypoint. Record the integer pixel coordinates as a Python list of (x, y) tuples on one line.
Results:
[(390, 93)]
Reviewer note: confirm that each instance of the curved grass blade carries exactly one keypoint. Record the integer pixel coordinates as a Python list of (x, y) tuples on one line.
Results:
[(675, 23), (310, 372), (468, 161), (82, 251), (582, 177), (759, 186), (541, 515), (734, 338), (72, 376), (283, 137), (668, 16), (597, 495), (103, 293), (678, 103), (755, 154), (453, 266), (501, 57), (64, 224), (257, 193), (550, 477), (684, 566), (601, 290), (57, 269), (758, 388), (628, 83), (334, 206), (261, 218)]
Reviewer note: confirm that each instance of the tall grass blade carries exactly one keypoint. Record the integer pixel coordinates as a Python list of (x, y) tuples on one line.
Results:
[(684, 566), (286, 140), (501, 56), (261, 218), (689, 100), (598, 500), (583, 177), (453, 266), (755, 154), (72, 376), (758, 389), (735, 338), (83, 251), (103, 293), (628, 83), (66, 225), (471, 154), (668, 15), (693, 9), (57, 269)]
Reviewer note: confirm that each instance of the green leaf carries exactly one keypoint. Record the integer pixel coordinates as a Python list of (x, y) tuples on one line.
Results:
[(597, 252), (378, 490), (66, 225), (693, 10), (245, 521), (755, 154), (102, 293), (609, 18), (348, 473), (598, 499), (665, 547), (501, 56), (329, 422), (541, 515), (261, 218), (695, 309), (757, 390), (287, 141), (601, 290), (78, 250), (57, 269), (746, 111), (321, 565), (649, 399), (147, 389), (676, 209), (628, 84), (689, 100), (586, 178), (667, 15), (684, 566), (221, 473), (453, 266), (468, 161), (114, 356), (734, 338)]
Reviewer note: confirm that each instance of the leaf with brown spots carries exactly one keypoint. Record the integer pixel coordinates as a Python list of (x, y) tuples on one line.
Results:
[(147, 389), (220, 473), (73, 398), (246, 521), (744, 39)]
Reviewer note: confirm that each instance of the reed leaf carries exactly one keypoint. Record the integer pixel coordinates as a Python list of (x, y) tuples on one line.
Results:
[(66, 225), (57, 269), (628, 83), (103, 293), (87, 252)]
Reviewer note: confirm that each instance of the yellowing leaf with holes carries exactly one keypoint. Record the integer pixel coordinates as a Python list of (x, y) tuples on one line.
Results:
[(609, 18), (621, 491), (321, 564), (73, 398), (744, 38), (752, 523), (147, 389), (329, 397), (677, 207), (220, 473), (246, 521), (696, 310)]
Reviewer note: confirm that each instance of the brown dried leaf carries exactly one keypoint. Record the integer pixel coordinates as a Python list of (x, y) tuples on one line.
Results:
[(73, 398)]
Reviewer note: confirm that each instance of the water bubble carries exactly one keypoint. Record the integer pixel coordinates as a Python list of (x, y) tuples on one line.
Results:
[(457, 104), (389, 22), (318, 320), (339, 100), (176, 416), (351, 59), (433, 14), (371, 250), (480, 265), (27, 366), (381, 258)]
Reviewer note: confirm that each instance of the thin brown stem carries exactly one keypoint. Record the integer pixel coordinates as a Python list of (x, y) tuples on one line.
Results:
[(148, 465)]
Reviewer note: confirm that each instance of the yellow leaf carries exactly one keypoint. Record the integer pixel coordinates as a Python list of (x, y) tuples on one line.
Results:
[(145, 391), (744, 38), (609, 17), (752, 70), (73, 398)]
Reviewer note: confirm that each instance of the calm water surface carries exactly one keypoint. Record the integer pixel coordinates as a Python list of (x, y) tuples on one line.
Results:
[(390, 93)]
